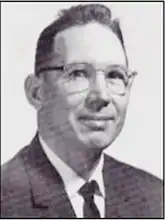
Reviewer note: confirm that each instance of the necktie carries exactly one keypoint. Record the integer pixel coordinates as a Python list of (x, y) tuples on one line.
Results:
[(89, 207)]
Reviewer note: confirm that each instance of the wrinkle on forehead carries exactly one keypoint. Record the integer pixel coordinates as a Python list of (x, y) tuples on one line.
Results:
[(92, 43)]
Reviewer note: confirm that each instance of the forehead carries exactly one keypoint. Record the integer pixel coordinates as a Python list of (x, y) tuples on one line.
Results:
[(92, 43)]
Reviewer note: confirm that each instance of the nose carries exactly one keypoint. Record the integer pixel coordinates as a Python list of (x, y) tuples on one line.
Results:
[(98, 96)]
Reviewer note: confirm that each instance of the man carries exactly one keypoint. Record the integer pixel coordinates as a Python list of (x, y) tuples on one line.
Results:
[(80, 90)]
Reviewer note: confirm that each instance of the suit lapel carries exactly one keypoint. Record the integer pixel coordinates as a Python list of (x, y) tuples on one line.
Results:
[(47, 190), (117, 189), (49, 197)]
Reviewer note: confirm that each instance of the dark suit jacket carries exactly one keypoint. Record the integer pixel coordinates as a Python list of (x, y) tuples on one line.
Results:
[(31, 187)]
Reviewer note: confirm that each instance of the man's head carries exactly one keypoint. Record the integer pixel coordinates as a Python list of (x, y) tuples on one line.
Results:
[(82, 83)]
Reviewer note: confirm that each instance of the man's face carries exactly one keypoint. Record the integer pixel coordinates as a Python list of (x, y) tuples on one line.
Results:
[(87, 101)]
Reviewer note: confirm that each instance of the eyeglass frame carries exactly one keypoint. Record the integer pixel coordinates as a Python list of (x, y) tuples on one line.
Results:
[(65, 68)]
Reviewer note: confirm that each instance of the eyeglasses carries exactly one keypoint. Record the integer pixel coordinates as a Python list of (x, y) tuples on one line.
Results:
[(78, 75)]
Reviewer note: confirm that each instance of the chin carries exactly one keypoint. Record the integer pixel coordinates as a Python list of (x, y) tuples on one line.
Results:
[(97, 141), (100, 142)]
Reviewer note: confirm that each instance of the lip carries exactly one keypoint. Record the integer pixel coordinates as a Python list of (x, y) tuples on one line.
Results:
[(96, 123), (96, 118)]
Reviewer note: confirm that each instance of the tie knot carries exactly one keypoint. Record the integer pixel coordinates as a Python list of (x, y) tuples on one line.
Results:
[(88, 189)]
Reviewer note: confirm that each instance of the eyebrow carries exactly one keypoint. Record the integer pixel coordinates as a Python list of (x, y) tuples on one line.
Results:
[(118, 66)]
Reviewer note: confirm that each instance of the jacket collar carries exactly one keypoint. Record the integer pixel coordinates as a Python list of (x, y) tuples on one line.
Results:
[(72, 181), (47, 188), (120, 188), (48, 192)]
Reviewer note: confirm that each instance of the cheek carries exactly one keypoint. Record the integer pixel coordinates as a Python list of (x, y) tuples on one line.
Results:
[(55, 96), (120, 103), (76, 100), (60, 104), (73, 92), (55, 106)]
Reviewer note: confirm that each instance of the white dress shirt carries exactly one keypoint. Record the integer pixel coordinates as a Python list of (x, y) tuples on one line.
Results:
[(73, 182)]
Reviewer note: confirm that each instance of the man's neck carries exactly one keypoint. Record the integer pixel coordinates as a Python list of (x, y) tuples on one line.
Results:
[(75, 154)]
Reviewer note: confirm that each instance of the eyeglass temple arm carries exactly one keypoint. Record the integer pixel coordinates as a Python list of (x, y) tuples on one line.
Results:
[(49, 68), (132, 73)]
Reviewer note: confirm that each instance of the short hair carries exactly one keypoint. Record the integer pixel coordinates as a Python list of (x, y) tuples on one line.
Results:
[(75, 15)]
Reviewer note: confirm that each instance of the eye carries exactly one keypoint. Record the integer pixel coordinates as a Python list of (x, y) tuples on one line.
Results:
[(115, 74), (78, 74)]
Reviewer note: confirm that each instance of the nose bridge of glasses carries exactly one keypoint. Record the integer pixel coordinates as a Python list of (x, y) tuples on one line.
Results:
[(99, 84)]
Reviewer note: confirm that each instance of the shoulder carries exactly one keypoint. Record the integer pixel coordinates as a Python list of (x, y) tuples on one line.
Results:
[(14, 183), (13, 170), (130, 172), (139, 188)]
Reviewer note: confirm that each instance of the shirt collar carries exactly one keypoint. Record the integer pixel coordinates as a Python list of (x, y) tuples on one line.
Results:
[(72, 181)]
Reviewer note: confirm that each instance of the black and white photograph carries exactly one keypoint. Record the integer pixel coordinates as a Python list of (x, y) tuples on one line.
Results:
[(82, 110)]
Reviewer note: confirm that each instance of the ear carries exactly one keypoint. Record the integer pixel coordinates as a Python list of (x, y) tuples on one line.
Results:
[(33, 91)]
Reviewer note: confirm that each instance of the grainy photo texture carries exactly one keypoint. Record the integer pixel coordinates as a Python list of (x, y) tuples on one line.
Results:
[(80, 89)]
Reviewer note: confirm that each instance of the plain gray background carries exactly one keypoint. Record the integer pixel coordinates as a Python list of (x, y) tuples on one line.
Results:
[(140, 142)]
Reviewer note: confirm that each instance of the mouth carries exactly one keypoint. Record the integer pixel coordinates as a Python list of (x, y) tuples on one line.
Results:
[(95, 123), (96, 118)]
